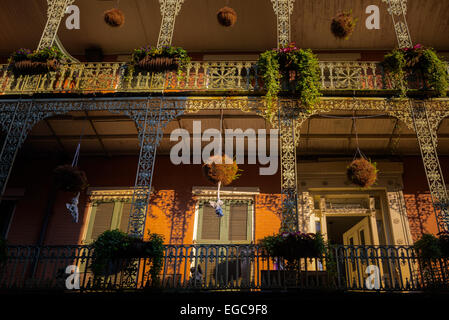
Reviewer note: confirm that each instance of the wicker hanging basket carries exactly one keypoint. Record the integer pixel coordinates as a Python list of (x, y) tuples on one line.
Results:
[(114, 17), (68, 178), (343, 25), (362, 172), (227, 17), (221, 169)]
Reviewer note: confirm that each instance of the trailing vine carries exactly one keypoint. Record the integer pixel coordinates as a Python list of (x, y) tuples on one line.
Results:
[(291, 65), (417, 60)]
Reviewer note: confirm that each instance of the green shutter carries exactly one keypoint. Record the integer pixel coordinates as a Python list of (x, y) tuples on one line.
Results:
[(126, 209), (210, 229), (238, 222)]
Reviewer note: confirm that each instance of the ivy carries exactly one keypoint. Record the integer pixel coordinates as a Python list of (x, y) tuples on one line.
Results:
[(417, 60), (268, 66), (275, 65)]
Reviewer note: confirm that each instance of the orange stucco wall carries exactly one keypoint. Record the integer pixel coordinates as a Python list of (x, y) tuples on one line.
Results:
[(171, 211)]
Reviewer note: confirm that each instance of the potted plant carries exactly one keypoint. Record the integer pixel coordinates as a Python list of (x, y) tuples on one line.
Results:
[(153, 59), (362, 172), (25, 62), (297, 68), (288, 248), (343, 25), (417, 62), (114, 251), (71, 179)]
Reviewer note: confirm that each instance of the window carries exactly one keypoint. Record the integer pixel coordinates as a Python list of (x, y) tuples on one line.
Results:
[(109, 210), (234, 227)]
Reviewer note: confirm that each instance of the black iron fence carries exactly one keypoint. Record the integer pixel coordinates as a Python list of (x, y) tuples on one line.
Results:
[(226, 267)]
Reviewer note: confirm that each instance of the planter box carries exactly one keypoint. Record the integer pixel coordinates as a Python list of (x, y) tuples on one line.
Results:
[(28, 67), (158, 64)]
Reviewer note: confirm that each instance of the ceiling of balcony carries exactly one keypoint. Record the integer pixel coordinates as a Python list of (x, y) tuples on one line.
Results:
[(107, 134), (22, 21)]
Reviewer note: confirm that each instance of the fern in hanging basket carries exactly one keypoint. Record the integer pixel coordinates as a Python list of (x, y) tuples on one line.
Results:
[(343, 25), (362, 172), (226, 17), (221, 169), (71, 179), (114, 17)]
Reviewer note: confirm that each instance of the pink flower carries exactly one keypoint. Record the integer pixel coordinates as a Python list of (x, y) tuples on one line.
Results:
[(417, 46)]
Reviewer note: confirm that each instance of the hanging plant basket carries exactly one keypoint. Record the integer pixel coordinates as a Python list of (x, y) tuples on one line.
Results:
[(362, 172), (343, 25), (114, 17), (68, 178), (158, 64), (227, 17), (221, 169)]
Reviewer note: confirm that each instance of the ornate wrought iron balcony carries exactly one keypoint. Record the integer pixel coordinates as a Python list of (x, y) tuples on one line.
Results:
[(224, 267), (212, 77)]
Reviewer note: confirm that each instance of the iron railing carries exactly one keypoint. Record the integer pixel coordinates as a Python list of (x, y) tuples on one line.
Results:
[(210, 76), (228, 267)]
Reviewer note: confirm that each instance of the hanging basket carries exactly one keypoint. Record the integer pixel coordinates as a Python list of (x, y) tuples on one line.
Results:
[(362, 172), (68, 178), (28, 67), (114, 17), (217, 170), (343, 25), (227, 17), (159, 64)]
